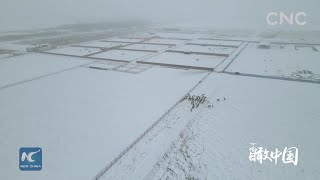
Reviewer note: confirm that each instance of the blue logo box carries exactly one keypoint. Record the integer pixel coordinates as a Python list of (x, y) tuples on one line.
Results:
[(30, 159)]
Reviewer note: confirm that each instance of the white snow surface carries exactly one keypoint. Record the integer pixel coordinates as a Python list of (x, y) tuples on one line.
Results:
[(213, 142), (179, 35), (140, 35), (32, 65), (279, 61), (83, 118), (76, 51), (151, 47), (217, 42), (205, 49), (123, 39), (15, 47), (196, 60), (103, 44), (124, 55), (166, 41), (102, 66), (5, 55)]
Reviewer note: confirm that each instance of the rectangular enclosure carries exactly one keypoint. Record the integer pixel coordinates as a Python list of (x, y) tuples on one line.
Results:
[(166, 41), (33, 65), (205, 49), (217, 42), (121, 55), (147, 47), (280, 60), (126, 39), (195, 61), (102, 44), (75, 51)]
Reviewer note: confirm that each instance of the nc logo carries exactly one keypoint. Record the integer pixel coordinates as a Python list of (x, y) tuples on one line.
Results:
[(274, 18), (30, 159)]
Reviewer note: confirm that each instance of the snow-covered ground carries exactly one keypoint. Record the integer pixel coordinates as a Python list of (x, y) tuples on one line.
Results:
[(217, 42), (298, 36), (134, 68), (122, 39), (122, 55), (86, 112), (5, 55), (102, 44), (148, 47), (179, 35), (33, 65), (105, 65), (75, 51), (140, 35), (83, 118), (205, 49), (19, 48), (292, 61), (166, 41), (197, 60), (213, 141)]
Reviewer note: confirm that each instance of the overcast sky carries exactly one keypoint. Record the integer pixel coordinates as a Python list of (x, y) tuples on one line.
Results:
[(29, 14)]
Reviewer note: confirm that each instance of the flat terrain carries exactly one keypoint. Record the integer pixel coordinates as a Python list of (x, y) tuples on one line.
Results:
[(108, 106), (84, 115), (213, 142)]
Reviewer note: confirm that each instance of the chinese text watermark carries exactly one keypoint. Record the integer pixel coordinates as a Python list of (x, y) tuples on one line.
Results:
[(287, 155)]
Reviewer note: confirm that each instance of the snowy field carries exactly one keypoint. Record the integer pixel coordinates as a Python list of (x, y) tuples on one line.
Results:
[(105, 65), (122, 39), (174, 35), (166, 41), (87, 110), (101, 66), (245, 35), (140, 35), (217, 42), (83, 118), (147, 47), (310, 37), (5, 55), (75, 51), (213, 141), (280, 61), (196, 60), (29, 66), (102, 44), (14, 47), (205, 49), (121, 55)]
